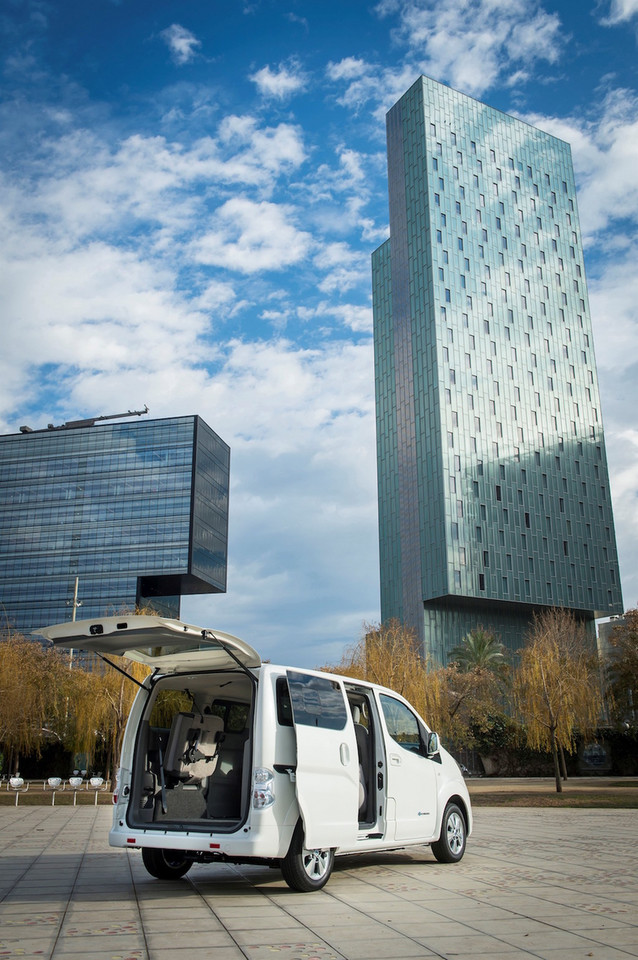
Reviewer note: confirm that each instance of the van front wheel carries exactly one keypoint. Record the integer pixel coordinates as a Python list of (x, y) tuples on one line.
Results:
[(166, 864), (450, 846), (303, 869)]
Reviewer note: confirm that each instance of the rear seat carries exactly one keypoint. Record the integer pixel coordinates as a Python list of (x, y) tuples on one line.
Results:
[(225, 783)]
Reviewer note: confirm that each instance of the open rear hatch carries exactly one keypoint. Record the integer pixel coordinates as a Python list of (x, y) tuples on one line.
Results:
[(166, 645)]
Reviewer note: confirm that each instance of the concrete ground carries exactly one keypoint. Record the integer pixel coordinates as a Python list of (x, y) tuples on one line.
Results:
[(555, 884)]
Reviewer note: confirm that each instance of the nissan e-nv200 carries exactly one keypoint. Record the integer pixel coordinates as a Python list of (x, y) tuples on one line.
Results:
[(226, 758)]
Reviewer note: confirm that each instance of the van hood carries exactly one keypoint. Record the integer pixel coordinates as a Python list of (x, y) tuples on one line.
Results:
[(169, 646)]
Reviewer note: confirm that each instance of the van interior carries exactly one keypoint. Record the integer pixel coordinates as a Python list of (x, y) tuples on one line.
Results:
[(193, 759)]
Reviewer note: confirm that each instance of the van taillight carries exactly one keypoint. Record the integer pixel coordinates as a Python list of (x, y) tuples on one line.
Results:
[(263, 788)]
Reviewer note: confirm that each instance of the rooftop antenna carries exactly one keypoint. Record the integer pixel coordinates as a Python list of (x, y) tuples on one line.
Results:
[(90, 421)]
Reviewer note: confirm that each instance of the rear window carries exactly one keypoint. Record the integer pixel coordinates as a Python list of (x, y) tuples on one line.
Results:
[(234, 715)]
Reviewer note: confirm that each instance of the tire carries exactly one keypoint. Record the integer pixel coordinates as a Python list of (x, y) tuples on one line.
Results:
[(450, 846), (166, 864), (306, 870)]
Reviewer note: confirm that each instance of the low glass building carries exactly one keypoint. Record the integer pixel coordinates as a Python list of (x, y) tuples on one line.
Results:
[(494, 498), (136, 511)]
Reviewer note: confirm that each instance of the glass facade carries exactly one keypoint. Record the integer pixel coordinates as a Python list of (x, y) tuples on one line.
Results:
[(494, 497), (137, 511)]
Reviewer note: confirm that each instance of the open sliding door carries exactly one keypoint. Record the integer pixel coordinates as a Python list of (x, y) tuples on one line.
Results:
[(327, 764)]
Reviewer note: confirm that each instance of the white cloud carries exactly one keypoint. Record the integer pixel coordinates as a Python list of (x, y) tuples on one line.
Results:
[(182, 44), (248, 237), (471, 45), (98, 308), (347, 69), (303, 499), (344, 267), (605, 154), (87, 186), (622, 451), (352, 316), (281, 83), (620, 11), (613, 293)]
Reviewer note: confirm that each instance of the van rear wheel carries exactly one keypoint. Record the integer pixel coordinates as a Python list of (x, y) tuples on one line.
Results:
[(450, 846), (166, 864), (303, 869)]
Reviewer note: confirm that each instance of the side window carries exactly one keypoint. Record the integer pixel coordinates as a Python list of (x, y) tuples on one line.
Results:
[(402, 724), (317, 701)]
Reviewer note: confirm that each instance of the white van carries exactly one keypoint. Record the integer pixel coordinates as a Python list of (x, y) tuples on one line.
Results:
[(228, 758)]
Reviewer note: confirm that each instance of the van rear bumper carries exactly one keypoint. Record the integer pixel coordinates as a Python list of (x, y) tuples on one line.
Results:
[(269, 842)]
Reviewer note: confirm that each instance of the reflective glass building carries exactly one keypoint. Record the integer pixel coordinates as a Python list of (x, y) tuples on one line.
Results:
[(494, 497), (137, 511)]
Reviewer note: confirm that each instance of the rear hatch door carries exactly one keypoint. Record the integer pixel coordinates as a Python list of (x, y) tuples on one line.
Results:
[(169, 646)]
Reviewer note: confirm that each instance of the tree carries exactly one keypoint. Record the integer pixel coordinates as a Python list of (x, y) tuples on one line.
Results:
[(451, 701), (622, 669), (557, 685), (117, 692), (479, 648), (34, 691)]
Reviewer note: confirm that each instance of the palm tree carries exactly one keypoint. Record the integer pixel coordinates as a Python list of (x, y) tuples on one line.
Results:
[(478, 648)]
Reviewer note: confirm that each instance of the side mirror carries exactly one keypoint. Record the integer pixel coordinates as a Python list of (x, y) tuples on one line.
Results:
[(433, 744)]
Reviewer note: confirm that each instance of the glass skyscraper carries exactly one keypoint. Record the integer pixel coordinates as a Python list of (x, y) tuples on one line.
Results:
[(136, 511), (494, 497)]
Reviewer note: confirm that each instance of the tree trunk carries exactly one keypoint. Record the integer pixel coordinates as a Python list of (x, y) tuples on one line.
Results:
[(559, 785), (563, 764)]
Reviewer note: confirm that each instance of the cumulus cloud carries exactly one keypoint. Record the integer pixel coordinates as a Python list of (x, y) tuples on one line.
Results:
[(622, 451), (303, 531), (620, 11), (613, 294), (347, 69), (471, 45), (281, 83), (249, 236), (86, 186), (605, 153), (182, 44), (344, 267), (353, 316)]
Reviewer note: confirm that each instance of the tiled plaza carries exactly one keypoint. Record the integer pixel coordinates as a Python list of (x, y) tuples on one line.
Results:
[(554, 884)]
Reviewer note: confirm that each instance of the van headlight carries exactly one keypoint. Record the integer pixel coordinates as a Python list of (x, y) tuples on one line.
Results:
[(263, 788)]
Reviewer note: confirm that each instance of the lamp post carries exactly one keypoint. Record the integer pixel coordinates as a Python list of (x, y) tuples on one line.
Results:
[(75, 603)]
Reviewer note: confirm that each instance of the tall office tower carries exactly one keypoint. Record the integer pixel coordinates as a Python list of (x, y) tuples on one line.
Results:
[(130, 513), (494, 498)]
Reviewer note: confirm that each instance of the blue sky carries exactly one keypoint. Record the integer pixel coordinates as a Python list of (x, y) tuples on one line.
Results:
[(189, 195)]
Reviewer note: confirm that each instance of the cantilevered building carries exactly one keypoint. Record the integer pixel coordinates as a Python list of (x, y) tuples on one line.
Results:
[(130, 513), (494, 497)]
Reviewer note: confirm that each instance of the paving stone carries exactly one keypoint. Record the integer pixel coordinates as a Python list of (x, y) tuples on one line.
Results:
[(533, 883)]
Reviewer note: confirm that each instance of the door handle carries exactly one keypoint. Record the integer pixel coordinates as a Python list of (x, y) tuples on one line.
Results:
[(344, 753), (395, 760)]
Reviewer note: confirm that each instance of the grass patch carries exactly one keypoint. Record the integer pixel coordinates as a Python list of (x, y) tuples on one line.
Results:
[(568, 798), (36, 798)]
